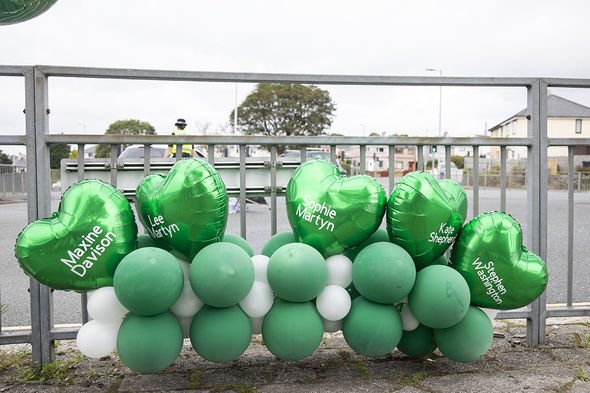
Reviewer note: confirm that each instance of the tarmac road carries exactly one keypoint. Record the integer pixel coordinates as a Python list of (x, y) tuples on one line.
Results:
[(14, 283)]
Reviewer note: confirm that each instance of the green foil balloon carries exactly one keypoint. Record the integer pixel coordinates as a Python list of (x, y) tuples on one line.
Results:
[(457, 193), (186, 210), (422, 217), (79, 246), (16, 11), (331, 212), (499, 270)]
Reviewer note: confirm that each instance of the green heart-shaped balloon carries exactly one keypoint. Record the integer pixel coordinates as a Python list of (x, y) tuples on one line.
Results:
[(79, 246), (499, 270), (186, 210), (423, 217), (331, 212)]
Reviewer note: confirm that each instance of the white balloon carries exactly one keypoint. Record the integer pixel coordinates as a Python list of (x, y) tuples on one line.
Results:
[(185, 268), (188, 304), (97, 339), (339, 270), (490, 312), (409, 322), (332, 326), (104, 306), (333, 303), (260, 263), (258, 301), (257, 325), (186, 326)]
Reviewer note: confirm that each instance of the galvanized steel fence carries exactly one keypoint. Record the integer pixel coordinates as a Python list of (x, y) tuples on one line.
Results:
[(37, 138)]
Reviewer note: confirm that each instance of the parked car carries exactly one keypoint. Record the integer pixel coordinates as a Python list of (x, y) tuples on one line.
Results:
[(295, 155), (156, 151)]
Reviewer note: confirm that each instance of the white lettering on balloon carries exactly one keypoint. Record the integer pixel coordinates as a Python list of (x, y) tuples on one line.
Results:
[(319, 214), (490, 279)]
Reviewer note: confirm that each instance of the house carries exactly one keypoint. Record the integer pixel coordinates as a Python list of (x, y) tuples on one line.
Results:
[(377, 160), (565, 119)]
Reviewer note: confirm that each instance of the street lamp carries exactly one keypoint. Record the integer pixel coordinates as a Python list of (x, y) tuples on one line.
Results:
[(440, 72)]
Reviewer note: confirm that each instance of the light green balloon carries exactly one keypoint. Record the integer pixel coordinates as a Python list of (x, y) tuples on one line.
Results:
[(292, 331), (372, 329), (220, 334), (383, 272), (238, 241), (277, 241), (440, 297), (297, 272), (148, 281), (149, 344), (418, 342), (221, 274), (468, 340)]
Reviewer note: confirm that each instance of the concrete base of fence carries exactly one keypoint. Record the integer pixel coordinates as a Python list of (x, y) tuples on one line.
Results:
[(560, 365)]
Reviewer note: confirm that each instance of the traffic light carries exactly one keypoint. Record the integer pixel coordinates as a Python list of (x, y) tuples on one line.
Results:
[(433, 149)]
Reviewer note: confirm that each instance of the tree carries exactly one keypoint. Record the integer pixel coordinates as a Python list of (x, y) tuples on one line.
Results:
[(285, 109), (124, 127), (459, 161), (56, 153), (4, 159)]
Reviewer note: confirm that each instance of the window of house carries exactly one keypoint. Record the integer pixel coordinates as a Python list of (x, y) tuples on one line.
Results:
[(380, 164), (399, 165), (578, 126), (381, 149)]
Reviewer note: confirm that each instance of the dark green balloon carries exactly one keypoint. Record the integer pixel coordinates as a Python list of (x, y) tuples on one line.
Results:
[(297, 272), (422, 217), (221, 274), (383, 272), (238, 241), (468, 340), (292, 331), (372, 329), (418, 342), (440, 297), (148, 281), (277, 241), (499, 270), (380, 235), (16, 11), (220, 334), (149, 344), (79, 246), (331, 212), (185, 210), (457, 194)]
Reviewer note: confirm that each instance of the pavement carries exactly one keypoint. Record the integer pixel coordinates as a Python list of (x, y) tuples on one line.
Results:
[(562, 364)]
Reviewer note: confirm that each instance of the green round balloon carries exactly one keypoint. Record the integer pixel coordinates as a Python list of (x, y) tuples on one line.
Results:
[(292, 331), (149, 344), (221, 274), (297, 272), (238, 241), (148, 281), (468, 340), (277, 241), (440, 297), (383, 272), (380, 235), (220, 335), (418, 342), (372, 329)]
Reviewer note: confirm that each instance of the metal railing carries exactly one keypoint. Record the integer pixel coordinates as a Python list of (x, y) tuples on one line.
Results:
[(37, 139)]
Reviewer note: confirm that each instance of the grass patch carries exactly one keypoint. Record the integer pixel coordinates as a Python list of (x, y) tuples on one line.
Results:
[(581, 342), (194, 381), (582, 376), (57, 371)]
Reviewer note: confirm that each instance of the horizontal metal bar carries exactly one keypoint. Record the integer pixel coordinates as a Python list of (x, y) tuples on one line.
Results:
[(514, 314), (567, 312), (205, 76), (14, 70), (292, 140), (13, 140), (64, 333), (567, 82), (15, 338), (569, 141)]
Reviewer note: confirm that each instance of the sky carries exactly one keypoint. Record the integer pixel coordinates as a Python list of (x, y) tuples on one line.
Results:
[(521, 38)]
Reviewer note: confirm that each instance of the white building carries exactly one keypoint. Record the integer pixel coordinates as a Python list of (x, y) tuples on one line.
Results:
[(565, 119)]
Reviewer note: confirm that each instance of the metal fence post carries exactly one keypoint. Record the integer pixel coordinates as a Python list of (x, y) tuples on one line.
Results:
[(537, 197)]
